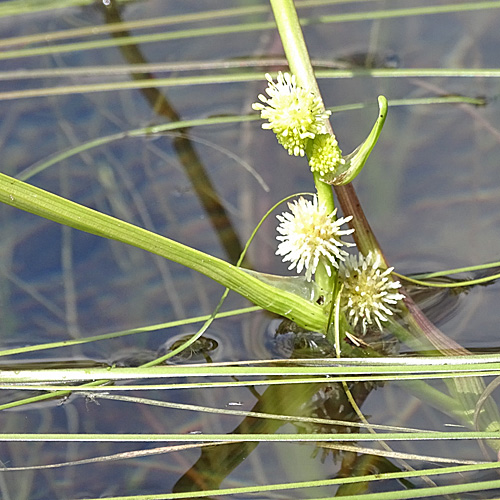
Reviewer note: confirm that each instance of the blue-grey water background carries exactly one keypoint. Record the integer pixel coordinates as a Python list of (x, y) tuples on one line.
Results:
[(431, 191)]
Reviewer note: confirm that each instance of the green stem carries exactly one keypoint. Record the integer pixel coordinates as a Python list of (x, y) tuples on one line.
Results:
[(50, 206), (294, 44), (297, 55)]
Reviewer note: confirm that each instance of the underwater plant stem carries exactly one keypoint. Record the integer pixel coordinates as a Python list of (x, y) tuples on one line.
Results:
[(50, 206), (465, 391), (187, 155), (297, 55)]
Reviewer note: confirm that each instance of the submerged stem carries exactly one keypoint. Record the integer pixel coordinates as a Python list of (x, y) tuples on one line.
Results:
[(188, 157)]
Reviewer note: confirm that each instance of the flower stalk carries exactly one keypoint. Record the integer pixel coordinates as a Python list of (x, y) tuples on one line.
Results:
[(297, 55), (296, 52), (466, 390)]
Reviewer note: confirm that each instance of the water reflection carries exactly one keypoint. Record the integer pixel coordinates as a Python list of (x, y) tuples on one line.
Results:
[(203, 349)]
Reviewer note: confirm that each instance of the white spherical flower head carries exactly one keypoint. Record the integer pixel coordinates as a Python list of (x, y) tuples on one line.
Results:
[(369, 294), (310, 234), (294, 114)]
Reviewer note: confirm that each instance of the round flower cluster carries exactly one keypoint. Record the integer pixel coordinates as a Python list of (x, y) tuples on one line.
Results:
[(309, 233), (326, 155), (369, 294), (294, 114)]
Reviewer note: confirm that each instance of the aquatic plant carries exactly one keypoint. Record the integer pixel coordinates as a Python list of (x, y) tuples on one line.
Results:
[(309, 234), (349, 302)]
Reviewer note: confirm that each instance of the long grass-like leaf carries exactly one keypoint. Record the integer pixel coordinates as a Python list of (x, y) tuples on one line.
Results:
[(50, 206)]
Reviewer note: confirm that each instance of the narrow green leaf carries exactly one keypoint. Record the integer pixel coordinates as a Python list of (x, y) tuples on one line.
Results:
[(50, 206), (355, 161)]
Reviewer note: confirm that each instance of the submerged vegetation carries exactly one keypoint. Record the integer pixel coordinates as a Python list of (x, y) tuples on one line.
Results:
[(336, 329)]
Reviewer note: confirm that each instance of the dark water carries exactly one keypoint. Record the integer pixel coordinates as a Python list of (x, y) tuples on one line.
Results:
[(431, 192)]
